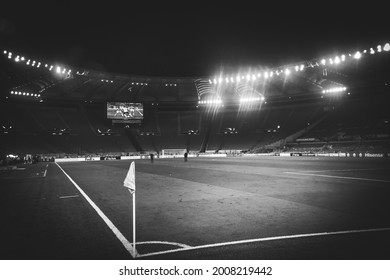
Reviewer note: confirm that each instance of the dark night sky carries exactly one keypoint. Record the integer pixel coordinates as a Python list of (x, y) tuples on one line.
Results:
[(192, 42)]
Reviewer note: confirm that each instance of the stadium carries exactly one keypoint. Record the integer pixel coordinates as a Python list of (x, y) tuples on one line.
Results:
[(289, 161)]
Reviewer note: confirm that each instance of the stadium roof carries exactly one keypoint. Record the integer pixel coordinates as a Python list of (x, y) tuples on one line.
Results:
[(169, 56)]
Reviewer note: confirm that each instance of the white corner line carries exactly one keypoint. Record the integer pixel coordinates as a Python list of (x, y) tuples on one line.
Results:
[(338, 177), (263, 240), (114, 229), (165, 243)]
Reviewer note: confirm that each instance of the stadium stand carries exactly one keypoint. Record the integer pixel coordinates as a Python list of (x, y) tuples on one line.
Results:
[(68, 116), (83, 129)]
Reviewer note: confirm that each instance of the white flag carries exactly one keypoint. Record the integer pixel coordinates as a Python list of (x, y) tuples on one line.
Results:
[(130, 178)]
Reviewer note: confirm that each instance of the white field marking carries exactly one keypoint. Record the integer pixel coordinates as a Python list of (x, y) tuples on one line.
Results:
[(117, 233), (44, 174), (69, 196), (339, 177), (47, 165), (263, 240), (344, 170), (165, 243)]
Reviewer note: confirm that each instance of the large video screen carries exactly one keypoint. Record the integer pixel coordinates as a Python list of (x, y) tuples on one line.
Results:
[(125, 111)]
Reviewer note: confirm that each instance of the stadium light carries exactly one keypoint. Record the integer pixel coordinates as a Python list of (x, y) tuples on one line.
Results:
[(357, 55), (251, 99), (386, 48), (334, 90), (210, 102)]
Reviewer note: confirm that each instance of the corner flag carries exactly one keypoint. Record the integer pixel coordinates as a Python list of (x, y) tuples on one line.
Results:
[(130, 178), (129, 183)]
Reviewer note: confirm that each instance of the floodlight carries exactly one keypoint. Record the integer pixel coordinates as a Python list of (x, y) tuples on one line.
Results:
[(357, 55)]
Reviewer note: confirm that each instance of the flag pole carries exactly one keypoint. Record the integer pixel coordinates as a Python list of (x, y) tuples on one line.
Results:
[(129, 183), (134, 250)]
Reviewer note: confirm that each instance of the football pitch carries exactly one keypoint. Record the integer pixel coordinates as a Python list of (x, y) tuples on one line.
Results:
[(206, 208)]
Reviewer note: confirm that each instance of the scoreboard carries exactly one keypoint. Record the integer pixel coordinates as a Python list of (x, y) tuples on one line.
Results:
[(125, 112)]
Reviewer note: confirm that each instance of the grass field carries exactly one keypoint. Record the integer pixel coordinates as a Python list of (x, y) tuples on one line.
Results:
[(221, 208)]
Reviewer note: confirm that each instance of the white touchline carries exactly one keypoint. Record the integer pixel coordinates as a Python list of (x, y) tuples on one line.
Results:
[(263, 240), (117, 233), (346, 170), (340, 177)]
